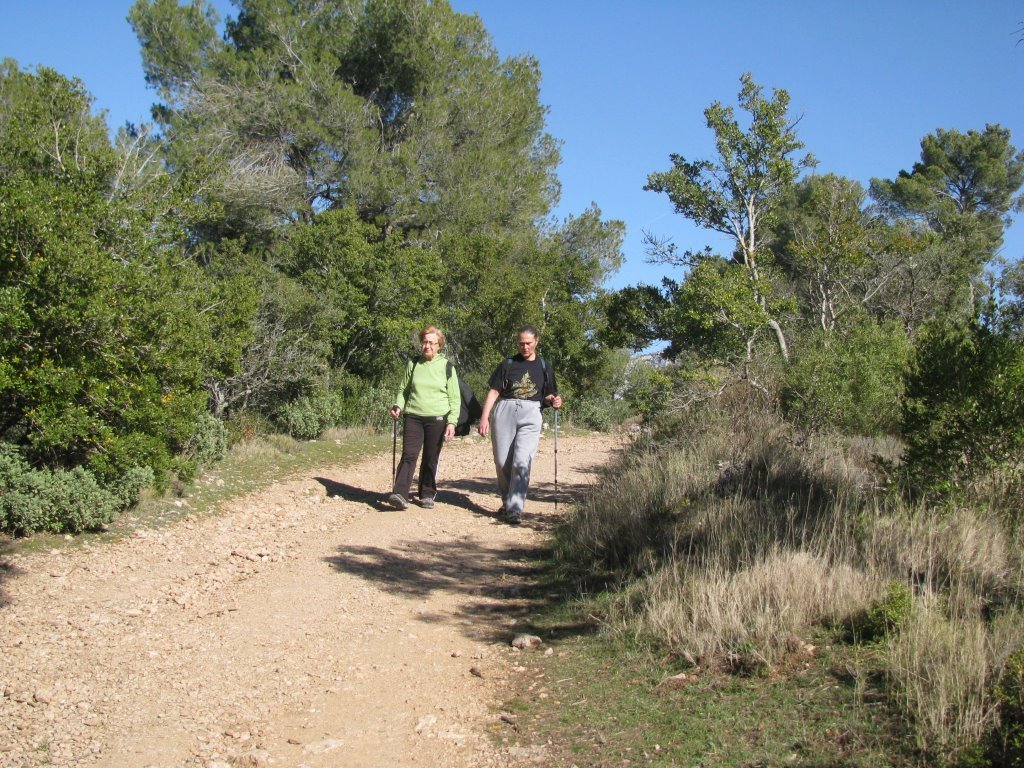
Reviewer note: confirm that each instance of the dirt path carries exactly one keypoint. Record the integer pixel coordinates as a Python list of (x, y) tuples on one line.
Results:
[(303, 625)]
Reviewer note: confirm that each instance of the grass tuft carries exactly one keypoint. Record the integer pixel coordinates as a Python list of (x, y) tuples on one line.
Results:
[(729, 539)]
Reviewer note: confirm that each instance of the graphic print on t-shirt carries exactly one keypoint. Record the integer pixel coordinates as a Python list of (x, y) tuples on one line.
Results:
[(524, 389)]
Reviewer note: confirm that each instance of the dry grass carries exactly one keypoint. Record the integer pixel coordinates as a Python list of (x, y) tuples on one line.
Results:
[(732, 536), (960, 553), (719, 613), (943, 670), (264, 447)]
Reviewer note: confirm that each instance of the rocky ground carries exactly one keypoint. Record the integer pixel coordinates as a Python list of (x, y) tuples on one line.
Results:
[(303, 625)]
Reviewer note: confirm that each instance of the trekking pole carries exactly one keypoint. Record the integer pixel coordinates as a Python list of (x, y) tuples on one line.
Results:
[(556, 459)]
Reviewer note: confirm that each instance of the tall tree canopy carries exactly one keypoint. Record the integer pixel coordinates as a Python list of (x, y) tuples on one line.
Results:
[(399, 108), (388, 169), (961, 192)]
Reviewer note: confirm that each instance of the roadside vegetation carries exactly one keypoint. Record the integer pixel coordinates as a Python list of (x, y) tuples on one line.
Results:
[(737, 549)]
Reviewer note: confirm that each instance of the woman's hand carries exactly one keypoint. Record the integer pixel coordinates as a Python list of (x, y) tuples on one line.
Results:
[(395, 410), (484, 427), (555, 401), (449, 432)]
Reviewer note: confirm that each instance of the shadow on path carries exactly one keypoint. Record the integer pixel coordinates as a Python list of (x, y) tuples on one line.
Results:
[(374, 499), (505, 584), (457, 494)]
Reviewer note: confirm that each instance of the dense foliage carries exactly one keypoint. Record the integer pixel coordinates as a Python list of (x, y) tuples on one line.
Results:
[(106, 334), (964, 412)]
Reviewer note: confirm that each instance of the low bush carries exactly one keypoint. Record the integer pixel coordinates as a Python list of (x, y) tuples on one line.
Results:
[(362, 404), (307, 417), (58, 501), (884, 616), (208, 444), (599, 414), (350, 402), (128, 487)]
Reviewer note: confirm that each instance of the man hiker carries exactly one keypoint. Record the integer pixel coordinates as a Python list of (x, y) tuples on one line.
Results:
[(517, 390)]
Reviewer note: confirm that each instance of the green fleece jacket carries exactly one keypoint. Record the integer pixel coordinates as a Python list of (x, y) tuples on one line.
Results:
[(426, 389)]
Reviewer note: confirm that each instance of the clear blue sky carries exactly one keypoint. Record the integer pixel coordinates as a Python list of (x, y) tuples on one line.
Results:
[(626, 83)]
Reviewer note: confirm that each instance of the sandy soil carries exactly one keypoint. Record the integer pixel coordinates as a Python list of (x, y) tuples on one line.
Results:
[(303, 625)]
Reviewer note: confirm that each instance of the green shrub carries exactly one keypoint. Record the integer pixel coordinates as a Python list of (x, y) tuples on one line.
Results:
[(851, 382), (885, 616), (648, 389), (361, 404), (350, 402), (209, 442), (597, 414), (307, 417), (22, 503), (964, 414), (126, 489), (76, 502), (60, 501), (122, 451)]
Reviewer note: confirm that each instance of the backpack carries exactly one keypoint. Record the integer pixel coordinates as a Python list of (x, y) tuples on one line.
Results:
[(470, 409)]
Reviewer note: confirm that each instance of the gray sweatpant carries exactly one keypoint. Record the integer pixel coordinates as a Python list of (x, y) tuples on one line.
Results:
[(515, 434)]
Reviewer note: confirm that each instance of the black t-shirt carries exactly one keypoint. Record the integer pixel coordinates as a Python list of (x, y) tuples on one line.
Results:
[(524, 379)]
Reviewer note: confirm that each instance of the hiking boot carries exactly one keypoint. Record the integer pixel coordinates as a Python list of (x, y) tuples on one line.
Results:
[(513, 518), (427, 503), (398, 501)]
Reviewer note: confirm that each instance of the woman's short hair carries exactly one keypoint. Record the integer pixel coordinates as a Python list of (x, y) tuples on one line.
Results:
[(435, 330), (530, 330)]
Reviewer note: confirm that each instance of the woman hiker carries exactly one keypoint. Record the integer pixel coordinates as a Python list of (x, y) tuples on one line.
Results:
[(429, 398), (518, 389)]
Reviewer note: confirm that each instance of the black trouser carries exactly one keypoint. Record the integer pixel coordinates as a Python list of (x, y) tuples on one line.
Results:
[(426, 432)]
